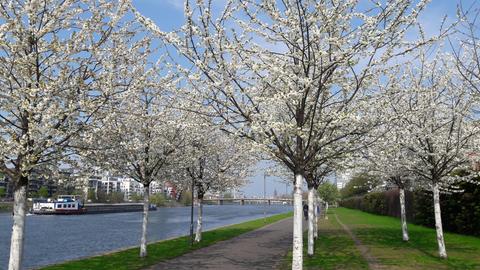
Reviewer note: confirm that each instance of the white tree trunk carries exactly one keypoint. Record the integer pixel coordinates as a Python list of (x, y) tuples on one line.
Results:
[(198, 233), (403, 215), (326, 210), (18, 228), (311, 210), (315, 212), (146, 203), (438, 222), (297, 253)]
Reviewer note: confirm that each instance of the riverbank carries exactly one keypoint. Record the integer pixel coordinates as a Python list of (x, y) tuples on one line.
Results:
[(6, 207), (368, 241), (163, 250)]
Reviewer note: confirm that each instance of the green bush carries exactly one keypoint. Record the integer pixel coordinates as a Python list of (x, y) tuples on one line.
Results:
[(186, 198), (158, 199)]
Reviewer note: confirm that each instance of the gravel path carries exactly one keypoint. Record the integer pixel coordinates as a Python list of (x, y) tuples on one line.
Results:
[(263, 248)]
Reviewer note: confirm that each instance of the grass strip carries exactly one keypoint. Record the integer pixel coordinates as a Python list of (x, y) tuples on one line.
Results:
[(383, 236), (334, 249), (163, 250)]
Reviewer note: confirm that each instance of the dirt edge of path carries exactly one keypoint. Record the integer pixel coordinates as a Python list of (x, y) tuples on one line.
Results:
[(371, 260)]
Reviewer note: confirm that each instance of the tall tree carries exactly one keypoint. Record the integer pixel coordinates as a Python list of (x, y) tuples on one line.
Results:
[(53, 59), (329, 194), (278, 72), (142, 130), (215, 162), (434, 110), (387, 158)]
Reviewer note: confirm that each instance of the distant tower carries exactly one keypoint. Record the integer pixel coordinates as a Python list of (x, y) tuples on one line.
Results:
[(275, 193)]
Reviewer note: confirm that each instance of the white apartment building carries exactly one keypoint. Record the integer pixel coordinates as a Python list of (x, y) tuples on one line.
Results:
[(128, 187)]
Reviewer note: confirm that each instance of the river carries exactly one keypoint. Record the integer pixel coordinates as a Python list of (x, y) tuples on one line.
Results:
[(53, 239)]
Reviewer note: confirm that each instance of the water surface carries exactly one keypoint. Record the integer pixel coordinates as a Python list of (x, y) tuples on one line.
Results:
[(53, 239)]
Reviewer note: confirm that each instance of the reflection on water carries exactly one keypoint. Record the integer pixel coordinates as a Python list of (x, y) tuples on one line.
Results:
[(51, 239)]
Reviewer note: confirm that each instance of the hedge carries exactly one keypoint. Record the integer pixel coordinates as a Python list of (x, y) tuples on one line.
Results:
[(460, 211)]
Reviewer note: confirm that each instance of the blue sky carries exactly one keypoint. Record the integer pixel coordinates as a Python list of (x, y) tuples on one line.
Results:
[(168, 15)]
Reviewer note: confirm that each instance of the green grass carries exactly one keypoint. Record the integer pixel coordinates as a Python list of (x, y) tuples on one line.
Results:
[(163, 250), (334, 249), (382, 235)]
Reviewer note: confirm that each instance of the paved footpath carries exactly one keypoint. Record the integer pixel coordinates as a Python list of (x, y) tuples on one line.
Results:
[(263, 248)]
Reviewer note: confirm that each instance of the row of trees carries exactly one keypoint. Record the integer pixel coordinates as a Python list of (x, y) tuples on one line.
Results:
[(301, 81), (292, 76), (85, 86)]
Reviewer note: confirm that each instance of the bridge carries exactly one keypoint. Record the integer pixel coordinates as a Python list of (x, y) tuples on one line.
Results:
[(243, 201)]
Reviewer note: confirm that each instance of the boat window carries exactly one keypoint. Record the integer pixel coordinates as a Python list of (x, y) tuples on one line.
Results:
[(59, 206)]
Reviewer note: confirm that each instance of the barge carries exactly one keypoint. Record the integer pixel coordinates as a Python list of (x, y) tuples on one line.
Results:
[(72, 205), (63, 205)]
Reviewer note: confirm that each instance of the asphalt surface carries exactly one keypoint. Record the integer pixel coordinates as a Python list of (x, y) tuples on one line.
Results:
[(263, 248)]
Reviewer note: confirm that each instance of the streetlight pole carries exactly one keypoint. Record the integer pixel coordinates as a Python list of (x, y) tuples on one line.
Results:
[(264, 197), (191, 212)]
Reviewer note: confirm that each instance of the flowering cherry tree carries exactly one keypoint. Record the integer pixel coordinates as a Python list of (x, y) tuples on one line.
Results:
[(435, 126), (278, 72), (387, 158), (215, 162), (141, 130), (54, 58), (315, 178)]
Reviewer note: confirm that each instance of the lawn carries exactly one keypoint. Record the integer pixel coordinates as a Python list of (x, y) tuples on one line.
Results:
[(334, 249), (163, 250), (382, 235)]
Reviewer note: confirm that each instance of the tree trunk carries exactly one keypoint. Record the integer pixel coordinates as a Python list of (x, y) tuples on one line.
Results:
[(326, 210), (311, 210), (146, 203), (198, 233), (403, 215), (438, 222), (315, 212), (18, 228), (297, 254)]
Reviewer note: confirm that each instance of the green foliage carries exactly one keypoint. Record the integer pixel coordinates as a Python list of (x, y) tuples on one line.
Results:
[(136, 197), (163, 250), (359, 184), (3, 192), (116, 197), (186, 198), (42, 192), (91, 195), (329, 192), (103, 197), (158, 199)]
